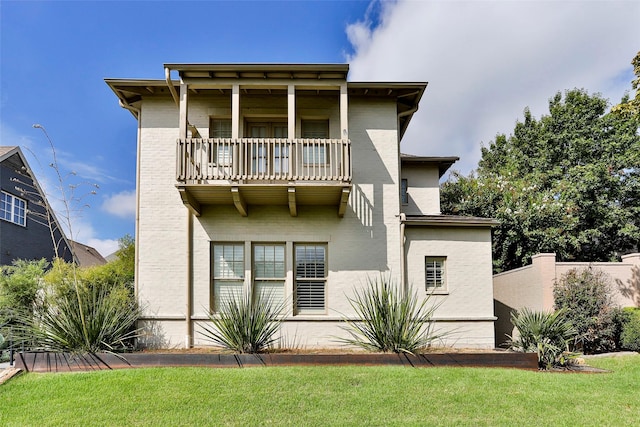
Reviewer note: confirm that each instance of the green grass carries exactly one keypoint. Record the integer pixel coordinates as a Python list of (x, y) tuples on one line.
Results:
[(327, 396)]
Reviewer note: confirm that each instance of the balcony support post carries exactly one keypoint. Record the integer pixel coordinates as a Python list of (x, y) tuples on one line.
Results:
[(189, 201), (344, 201), (184, 88), (235, 111), (344, 111), (291, 113)]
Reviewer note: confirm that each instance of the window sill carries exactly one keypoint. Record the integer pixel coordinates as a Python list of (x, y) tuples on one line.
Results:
[(438, 292)]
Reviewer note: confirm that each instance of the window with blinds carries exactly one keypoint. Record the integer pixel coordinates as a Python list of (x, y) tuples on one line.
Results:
[(269, 272), (435, 273), (228, 273), (310, 278)]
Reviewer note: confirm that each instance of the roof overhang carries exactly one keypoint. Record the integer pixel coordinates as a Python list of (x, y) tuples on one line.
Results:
[(449, 221), (443, 163)]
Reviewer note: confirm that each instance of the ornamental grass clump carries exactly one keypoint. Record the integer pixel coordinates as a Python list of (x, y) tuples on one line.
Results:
[(390, 320), (548, 334), (245, 324)]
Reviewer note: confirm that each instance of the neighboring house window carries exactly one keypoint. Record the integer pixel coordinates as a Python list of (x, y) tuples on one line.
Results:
[(228, 272), (314, 153), (269, 271), (435, 273), (404, 196), (310, 274), (13, 209)]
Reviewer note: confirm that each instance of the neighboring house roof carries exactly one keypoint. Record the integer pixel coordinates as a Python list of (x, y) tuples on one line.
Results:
[(444, 163), (86, 256)]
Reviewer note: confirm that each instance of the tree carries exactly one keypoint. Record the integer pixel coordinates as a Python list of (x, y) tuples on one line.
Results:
[(631, 107), (567, 183)]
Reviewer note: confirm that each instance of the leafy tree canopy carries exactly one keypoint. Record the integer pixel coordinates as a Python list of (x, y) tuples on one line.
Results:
[(567, 183)]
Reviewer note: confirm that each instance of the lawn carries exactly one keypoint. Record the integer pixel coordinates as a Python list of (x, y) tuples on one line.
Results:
[(327, 396)]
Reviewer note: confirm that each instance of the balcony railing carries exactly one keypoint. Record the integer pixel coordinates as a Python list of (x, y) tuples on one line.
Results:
[(263, 159)]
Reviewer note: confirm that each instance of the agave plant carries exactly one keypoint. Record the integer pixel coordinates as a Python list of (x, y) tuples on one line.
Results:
[(245, 324), (390, 321), (546, 333), (90, 321)]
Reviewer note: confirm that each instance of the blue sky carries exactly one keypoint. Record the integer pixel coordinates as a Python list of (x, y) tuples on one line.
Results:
[(484, 61)]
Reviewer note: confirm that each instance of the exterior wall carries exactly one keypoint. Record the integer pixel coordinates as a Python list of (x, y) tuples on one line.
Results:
[(362, 243), (32, 241), (532, 286), (465, 308), (422, 189)]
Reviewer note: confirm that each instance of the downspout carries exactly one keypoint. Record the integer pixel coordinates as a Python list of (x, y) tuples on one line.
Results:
[(189, 337), (403, 262)]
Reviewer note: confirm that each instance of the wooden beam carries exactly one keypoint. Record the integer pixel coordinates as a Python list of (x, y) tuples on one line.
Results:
[(344, 201), (238, 201), (293, 208), (189, 201)]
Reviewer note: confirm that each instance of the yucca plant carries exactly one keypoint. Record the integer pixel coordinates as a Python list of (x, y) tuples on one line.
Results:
[(546, 333), (87, 322), (245, 323), (390, 321)]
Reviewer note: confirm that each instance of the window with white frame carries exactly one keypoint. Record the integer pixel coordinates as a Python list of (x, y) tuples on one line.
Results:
[(269, 271), (435, 273), (228, 272), (221, 154), (310, 278), (13, 209)]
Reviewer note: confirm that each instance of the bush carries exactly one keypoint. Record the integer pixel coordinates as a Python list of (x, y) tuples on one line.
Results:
[(390, 321), (586, 297), (245, 324), (87, 321), (630, 337), (546, 333)]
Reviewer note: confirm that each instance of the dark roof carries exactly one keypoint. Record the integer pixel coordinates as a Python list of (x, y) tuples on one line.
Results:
[(450, 220), (86, 256)]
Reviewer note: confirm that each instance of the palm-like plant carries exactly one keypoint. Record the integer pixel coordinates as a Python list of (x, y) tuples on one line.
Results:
[(390, 321), (546, 333), (100, 322), (245, 324)]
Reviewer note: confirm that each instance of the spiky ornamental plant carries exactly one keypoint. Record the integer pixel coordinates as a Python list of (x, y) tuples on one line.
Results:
[(245, 323), (546, 333), (390, 321)]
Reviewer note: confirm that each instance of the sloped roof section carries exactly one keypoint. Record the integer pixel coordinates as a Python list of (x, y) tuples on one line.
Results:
[(86, 256)]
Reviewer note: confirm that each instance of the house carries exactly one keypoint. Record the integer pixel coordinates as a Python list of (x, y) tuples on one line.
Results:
[(287, 179), (28, 227), (531, 286)]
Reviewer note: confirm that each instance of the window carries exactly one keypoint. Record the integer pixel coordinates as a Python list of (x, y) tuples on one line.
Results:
[(13, 209), (314, 153), (220, 128), (435, 273), (228, 272), (269, 271), (221, 154), (404, 196), (310, 274), (267, 158)]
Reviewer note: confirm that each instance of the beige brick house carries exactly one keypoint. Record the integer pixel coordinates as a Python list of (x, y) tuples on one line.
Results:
[(288, 179)]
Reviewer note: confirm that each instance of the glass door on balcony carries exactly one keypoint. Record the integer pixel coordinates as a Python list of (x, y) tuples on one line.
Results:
[(269, 155)]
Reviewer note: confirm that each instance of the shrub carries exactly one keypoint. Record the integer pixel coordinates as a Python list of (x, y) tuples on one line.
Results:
[(390, 321), (245, 324), (585, 295), (546, 333), (87, 321), (630, 337)]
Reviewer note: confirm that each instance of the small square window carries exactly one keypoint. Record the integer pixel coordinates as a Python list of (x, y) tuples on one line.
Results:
[(404, 196), (435, 273)]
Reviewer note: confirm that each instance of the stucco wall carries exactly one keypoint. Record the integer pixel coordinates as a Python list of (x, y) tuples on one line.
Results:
[(532, 286)]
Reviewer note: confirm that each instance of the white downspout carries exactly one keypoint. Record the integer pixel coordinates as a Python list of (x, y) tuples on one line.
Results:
[(403, 262)]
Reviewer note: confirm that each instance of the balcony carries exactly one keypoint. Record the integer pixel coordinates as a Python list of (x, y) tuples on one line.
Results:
[(263, 171)]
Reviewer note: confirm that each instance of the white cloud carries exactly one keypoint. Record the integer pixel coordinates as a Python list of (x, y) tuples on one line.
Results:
[(122, 204), (486, 61)]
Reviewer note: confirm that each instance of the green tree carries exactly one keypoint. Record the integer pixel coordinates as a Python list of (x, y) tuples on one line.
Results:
[(567, 183), (631, 106)]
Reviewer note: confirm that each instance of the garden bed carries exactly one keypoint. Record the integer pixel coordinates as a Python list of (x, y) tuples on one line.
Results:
[(62, 362)]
